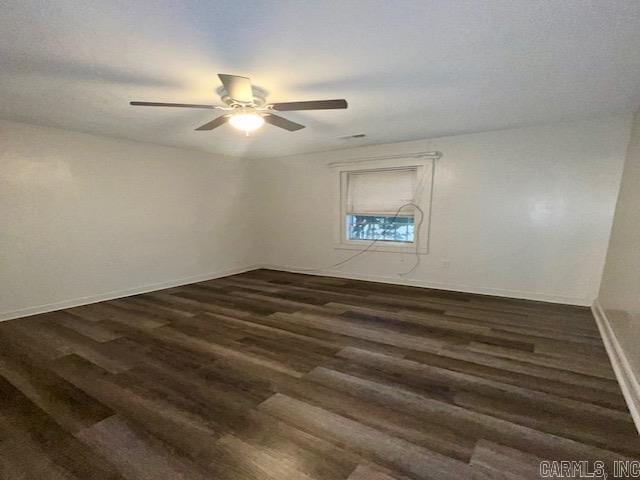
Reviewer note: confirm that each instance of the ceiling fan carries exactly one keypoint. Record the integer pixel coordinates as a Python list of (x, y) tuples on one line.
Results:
[(247, 110)]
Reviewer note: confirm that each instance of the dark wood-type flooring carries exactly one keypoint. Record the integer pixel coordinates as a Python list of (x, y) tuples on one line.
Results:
[(273, 375)]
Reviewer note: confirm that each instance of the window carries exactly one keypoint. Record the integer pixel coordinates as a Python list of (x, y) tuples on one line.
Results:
[(378, 205), (384, 201), (380, 227)]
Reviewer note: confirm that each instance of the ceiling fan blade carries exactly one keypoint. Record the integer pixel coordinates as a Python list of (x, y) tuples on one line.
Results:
[(282, 122), (215, 123), (160, 104), (238, 88), (311, 105)]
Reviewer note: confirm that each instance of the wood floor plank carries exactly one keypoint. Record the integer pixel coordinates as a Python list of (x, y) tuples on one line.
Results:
[(156, 307), (393, 451), (586, 366), (184, 431), (102, 354), (138, 455), (468, 422), (22, 459), (67, 405), (24, 420), (276, 375), (437, 438), (342, 326), (365, 472), (313, 456), (491, 461), (84, 327), (579, 383), (266, 464), (415, 373)]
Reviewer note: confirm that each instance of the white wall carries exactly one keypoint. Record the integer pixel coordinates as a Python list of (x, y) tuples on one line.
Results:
[(84, 217), (620, 290), (524, 212), (619, 298)]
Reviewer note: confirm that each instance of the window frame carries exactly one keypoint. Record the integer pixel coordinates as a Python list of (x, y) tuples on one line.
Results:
[(424, 172)]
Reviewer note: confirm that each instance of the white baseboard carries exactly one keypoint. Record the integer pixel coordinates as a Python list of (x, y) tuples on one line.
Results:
[(398, 280), (621, 366), (101, 297), (76, 302)]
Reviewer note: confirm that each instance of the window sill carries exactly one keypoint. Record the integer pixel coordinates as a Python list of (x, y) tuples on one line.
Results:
[(393, 248)]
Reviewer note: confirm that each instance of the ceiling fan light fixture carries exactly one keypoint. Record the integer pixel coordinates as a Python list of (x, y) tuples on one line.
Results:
[(246, 108), (246, 121)]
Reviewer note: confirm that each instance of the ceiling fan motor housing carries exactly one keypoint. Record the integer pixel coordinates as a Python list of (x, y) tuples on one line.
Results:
[(258, 101)]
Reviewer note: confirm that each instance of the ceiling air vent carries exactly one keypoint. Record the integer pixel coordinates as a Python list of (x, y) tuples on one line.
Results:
[(349, 137)]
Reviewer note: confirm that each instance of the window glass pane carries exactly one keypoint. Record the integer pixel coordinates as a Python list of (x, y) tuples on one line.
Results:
[(385, 228)]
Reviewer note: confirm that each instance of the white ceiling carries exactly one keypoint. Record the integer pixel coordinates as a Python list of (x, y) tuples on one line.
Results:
[(409, 69)]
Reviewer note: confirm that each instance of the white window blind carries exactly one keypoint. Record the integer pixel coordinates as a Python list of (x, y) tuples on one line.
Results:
[(381, 192)]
